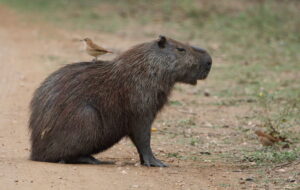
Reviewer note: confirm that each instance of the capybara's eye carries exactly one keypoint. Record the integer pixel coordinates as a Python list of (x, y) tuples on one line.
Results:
[(181, 49)]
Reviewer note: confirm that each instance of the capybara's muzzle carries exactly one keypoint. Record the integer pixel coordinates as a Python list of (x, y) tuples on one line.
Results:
[(205, 63)]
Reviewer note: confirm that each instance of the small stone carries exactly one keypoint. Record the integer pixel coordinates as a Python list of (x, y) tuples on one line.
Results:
[(135, 186), (16, 181), (286, 146), (291, 180), (207, 124), (207, 153), (249, 179), (124, 172), (250, 100), (206, 93), (252, 163)]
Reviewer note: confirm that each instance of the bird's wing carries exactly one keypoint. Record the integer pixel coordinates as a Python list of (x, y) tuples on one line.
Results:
[(98, 48), (269, 137)]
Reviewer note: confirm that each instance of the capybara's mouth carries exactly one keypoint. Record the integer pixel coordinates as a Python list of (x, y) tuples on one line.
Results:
[(203, 72), (203, 75)]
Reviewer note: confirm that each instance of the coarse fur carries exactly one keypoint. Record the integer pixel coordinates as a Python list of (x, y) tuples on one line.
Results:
[(85, 108)]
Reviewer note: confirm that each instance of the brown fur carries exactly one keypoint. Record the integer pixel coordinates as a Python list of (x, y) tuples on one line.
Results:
[(85, 108)]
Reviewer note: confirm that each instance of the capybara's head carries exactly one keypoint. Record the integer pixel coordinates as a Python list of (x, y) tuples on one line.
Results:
[(186, 63)]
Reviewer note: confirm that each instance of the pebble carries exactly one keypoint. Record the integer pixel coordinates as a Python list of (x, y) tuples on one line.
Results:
[(206, 93), (207, 153), (249, 179), (281, 170), (291, 180)]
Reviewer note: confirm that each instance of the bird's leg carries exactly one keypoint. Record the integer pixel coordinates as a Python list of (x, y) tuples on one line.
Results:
[(95, 59)]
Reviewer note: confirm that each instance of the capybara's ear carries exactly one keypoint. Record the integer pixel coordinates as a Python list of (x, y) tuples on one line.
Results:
[(162, 41)]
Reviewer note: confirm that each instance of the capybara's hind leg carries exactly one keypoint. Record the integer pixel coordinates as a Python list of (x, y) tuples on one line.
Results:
[(87, 119), (82, 160)]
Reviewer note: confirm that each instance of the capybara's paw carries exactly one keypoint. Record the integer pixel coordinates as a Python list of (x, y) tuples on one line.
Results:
[(81, 160), (153, 162)]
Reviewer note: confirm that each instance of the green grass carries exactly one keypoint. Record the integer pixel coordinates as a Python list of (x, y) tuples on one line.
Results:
[(186, 122), (272, 156), (277, 114), (265, 156), (175, 103)]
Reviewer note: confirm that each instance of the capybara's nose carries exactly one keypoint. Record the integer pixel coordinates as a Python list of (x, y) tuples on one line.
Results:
[(208, 60)]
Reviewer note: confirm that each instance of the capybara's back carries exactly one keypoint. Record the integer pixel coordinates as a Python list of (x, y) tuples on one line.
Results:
[(85, 108)]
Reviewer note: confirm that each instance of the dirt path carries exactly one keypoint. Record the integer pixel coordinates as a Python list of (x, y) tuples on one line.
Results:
[(28, 53)]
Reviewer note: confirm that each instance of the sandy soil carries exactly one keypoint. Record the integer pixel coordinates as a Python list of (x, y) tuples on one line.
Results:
[(28, 53)]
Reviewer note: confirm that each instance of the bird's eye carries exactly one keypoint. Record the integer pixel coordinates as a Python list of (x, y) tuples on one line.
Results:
[(181, 49)]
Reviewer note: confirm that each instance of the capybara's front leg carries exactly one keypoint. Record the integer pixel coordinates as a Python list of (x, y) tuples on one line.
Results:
[(141, 137)]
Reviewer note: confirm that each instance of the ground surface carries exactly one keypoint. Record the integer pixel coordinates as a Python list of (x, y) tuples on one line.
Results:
[(193, 132)]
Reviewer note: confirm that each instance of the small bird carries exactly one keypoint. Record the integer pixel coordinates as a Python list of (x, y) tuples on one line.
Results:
[(93, 49), (266, 139)]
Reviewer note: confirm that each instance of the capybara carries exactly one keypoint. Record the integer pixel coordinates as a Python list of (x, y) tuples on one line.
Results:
[(85, 108)]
